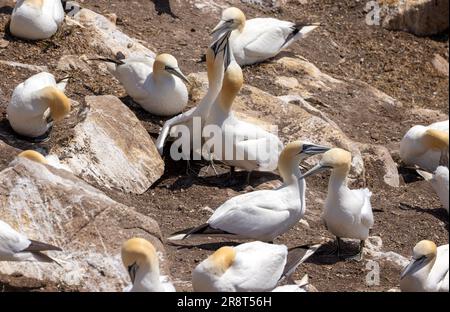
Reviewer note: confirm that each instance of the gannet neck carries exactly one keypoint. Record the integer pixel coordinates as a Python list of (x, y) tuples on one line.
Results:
[(57, 101), (148, 279), (232, 84), (288, 163)]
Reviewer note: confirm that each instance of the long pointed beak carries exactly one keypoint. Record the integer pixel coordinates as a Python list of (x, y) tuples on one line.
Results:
[(221, 27), (413, 266), (315, 170), (312, 149), (178, 73)]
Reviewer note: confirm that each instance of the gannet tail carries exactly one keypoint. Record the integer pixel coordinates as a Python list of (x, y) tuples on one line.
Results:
[(204, 229), (36, 246), (299, 31), (297, 256)]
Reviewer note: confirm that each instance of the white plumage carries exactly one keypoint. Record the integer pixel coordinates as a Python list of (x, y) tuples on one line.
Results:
[(36, 19), (440, 185)]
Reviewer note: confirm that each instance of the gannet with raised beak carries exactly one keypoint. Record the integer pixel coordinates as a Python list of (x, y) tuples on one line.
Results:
[(141, 261), (158, 86), (250, 267), (259, 39), (267, 214), (347, 213), (428, 269), (36, 104), (253, 147), (217, 59), (17, 247), (36, 19), (421, 145)]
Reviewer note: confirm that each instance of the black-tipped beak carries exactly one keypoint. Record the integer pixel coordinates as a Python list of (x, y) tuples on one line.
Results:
[(132, 270), (413, 266), (223, 26), (178, 73), (317, 169), (311, 149)]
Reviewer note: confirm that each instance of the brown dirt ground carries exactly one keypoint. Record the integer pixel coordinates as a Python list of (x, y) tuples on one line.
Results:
[(397, 63)]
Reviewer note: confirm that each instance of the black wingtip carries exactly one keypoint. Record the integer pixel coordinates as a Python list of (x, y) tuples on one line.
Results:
[(204, 229), (297, 256), (36, 246)]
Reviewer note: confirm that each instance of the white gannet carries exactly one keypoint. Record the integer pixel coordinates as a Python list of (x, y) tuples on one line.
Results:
[(217, 59), (428, 269), (36, 103), (250, 267), (418, 147), (141, 261), (259, 39), (440, 185), (156, 85), (51, 160), (347, 213), (264, 215), (253, 148), (36, 19), (17, 247)]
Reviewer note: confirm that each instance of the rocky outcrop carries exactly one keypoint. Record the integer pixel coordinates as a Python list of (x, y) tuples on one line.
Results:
[(52, 205), (7, 154), (110, 148), (380, 157)]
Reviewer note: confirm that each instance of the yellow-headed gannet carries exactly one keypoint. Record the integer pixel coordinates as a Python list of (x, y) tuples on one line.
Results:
[(259, 39), (17, 247), (51, 160), (421, 146), (36, 19), (267, 214), (347, 213), (158, 86), (428, 269), (141, 261), (36, 103)]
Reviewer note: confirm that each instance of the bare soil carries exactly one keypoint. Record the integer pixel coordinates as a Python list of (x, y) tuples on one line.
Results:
[(397, 63)]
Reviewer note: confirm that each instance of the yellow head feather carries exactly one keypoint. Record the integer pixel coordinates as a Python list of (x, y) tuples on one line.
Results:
[(235, 15), (139, 251), (164, 60), (57, 101), (425, 248), (436, 139), (223, 259), (34, 156)]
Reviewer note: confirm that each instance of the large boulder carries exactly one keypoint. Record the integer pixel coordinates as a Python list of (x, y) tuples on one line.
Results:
[(110, 148), (53, 206), (7, 154), (420, 17)]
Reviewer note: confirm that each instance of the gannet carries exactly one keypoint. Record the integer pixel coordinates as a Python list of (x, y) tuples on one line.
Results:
[(36, 19), (36, 103), (250, 267), (264, 215), (253, 148), (300, 286), (17, 247), (156, 85), (259, 39), (141, 261), (440, 185), (428, 269), (51, 160), (421, 146), (347, 213), (218, 59)]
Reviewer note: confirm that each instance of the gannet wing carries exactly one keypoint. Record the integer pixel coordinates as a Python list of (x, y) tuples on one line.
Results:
[(297, 256), (267, 44), (366, 210), (439, 273), (11, 242)]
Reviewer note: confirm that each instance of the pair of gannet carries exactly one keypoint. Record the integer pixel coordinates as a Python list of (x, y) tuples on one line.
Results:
[(15, 246), (264, 215), (36, 103), (141, 261), (422, 146), (347, 213), (259, 39), (156, 85), (251, 267), (428, 269), (36, 19)]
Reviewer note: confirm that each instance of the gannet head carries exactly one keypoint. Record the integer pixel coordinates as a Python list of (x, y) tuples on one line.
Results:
[(221, 260), (35, 3), (138, 253), (34, 156), (424, 252), (166, 63), (57, 101), (435, 139), (232, 18), (336, 159)]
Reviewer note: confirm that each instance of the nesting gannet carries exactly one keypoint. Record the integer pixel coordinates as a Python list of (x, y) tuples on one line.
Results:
[(156, 85), (253, 148), (51, 160), (36, 103), (36, 19), (421, 146), (259, 39), (141, 261), (250, 267), (347, 213), (428, 269), (264, 215), (17, 247), (217, 59)]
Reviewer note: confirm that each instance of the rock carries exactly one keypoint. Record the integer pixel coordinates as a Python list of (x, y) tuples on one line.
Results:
[(441, 65), (33, 68), (8, 153), (420, 17), (3, 43), (374, 247), (106, 37), (266, 3), (110, 148), (380, 156), (54, 206), (287, 82), (69, 63)]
